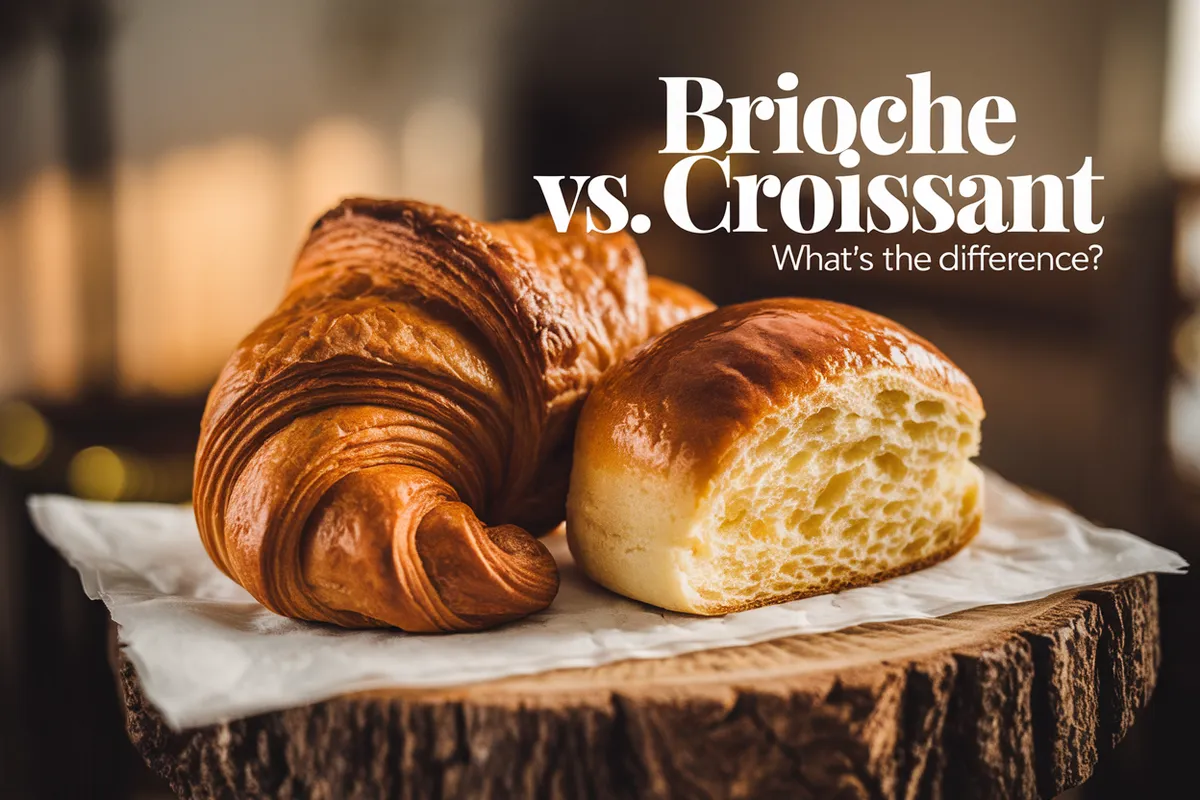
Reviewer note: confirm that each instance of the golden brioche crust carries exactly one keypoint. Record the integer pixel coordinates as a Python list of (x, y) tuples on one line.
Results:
[(687, 396), (377, 451)]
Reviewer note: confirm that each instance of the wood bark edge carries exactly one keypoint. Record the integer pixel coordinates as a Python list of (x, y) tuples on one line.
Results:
[(1024, 709)]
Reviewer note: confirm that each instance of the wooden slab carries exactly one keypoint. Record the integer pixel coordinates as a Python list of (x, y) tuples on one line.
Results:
[(1001, 702)]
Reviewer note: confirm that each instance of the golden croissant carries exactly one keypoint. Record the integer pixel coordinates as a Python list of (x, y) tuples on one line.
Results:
[(380, 449)]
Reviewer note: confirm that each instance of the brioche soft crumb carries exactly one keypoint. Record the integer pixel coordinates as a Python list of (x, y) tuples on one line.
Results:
[(860, 480)]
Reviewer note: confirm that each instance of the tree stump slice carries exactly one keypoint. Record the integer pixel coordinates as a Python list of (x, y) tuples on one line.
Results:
[(1000, 702)]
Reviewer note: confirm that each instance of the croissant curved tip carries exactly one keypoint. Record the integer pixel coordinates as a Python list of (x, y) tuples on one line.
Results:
[(485, 576), (531, 575)]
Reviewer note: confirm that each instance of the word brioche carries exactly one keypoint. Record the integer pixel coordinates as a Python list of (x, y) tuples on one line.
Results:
[(380, 449)]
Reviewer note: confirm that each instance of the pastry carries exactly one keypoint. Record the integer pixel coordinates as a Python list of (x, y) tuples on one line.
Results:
[(770, 451), (384, 447)]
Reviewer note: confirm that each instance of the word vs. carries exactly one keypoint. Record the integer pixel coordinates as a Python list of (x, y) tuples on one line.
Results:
[(599, 195)]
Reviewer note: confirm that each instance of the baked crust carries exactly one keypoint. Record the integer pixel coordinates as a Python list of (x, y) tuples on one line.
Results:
[(686, 398), (378, 450)]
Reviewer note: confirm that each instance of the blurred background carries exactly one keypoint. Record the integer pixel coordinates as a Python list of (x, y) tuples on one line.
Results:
[(160, 163)]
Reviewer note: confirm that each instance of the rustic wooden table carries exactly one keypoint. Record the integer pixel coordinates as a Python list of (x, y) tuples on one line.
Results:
[(1000, 702)]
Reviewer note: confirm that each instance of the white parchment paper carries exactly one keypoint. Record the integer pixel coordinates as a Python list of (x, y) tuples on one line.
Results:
[(205, 651)]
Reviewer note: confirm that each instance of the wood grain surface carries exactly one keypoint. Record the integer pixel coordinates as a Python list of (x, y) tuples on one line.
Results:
[(1001, 702)]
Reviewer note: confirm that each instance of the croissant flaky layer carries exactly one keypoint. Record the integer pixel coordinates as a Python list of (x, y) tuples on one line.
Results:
[(379, 450)]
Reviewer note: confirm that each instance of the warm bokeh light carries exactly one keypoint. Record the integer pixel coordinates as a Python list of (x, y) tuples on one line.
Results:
[(11, 335), (205, 235), (49, 284), (441, 155), (96, 473), (201, 256), (25, 436), (1181, 131), (335, 157)]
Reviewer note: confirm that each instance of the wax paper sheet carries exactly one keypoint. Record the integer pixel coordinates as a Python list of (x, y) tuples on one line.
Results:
[(206, 651)]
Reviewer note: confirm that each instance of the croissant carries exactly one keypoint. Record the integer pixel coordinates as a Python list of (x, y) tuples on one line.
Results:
[(380, 449)]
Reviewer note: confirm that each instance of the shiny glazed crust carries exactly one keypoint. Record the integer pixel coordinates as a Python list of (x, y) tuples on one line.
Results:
[(680, 403), (379, 449)]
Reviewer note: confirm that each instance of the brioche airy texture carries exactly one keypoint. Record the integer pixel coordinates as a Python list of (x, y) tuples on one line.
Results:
[(770, 451), (379, 449)]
